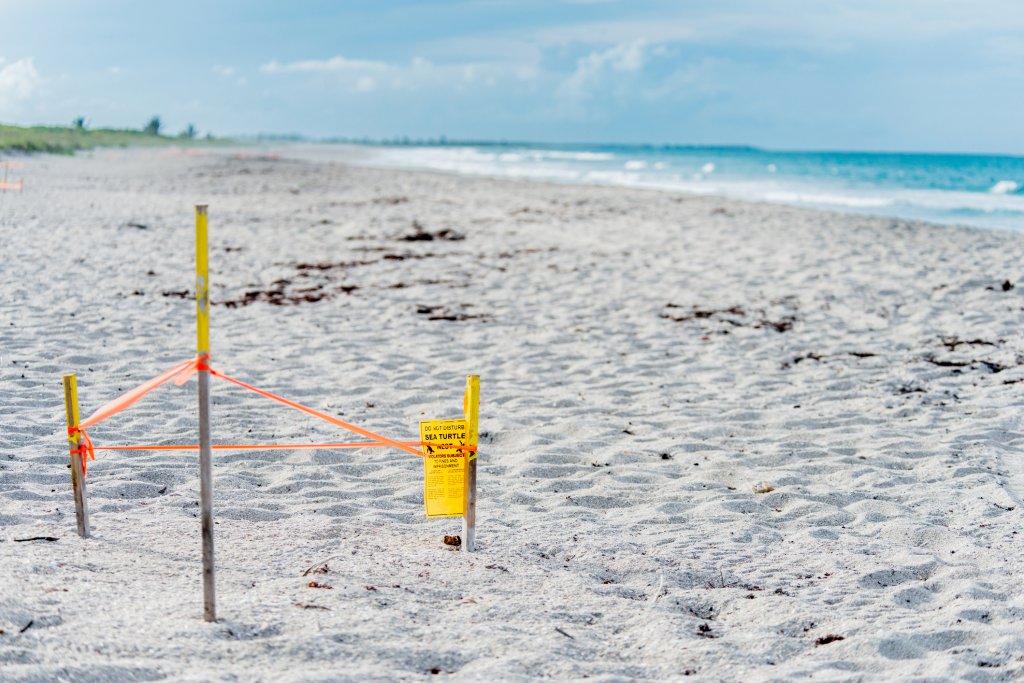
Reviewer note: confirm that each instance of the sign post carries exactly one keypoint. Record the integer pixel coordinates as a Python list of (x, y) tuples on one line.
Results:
[(471, 408), (203, 352), (75, 448)]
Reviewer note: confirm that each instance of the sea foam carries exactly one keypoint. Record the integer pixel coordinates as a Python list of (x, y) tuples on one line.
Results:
[(975, 190), (1004, 187)]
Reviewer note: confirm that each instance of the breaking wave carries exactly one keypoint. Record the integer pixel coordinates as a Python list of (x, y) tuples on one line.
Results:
[(959, 189)]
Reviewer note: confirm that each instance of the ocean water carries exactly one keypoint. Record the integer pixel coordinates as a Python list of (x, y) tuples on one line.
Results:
[(976, 190)]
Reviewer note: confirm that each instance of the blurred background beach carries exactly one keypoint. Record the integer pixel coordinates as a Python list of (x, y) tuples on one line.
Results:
[(906, 109)]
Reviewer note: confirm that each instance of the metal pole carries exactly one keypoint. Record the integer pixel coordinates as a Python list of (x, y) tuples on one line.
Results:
[(471, 408), (75, 441), (205, 476)]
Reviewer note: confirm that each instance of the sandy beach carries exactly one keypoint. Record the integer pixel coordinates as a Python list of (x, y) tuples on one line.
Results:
[(719, 440)]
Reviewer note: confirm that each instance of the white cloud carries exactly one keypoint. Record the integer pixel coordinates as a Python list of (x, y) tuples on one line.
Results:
[(336, 63), (595, 67), (354, 75), (811, 25), (19, 80), (229, 72), (363, 76)]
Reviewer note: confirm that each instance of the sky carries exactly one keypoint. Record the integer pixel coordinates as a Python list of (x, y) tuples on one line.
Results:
[(887, 75)]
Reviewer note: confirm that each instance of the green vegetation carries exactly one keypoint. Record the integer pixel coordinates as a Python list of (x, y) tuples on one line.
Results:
[(68, 140)]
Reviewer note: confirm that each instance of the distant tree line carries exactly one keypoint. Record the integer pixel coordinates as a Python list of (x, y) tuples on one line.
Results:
[(152, 127)]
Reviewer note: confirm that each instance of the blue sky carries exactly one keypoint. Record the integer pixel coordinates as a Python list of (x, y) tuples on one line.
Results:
[(915, 75)]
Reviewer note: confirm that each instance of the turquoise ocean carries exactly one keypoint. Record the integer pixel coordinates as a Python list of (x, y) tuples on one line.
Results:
[(984, 191)]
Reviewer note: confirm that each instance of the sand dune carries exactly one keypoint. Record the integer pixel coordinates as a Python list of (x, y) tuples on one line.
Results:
[(648, 360)]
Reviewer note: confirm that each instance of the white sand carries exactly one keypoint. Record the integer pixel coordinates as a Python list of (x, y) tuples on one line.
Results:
[(620, 537)]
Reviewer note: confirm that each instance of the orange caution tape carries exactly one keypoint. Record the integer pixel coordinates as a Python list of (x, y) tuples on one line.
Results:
[(316, 413), (181, 373), (275, 446), (86, 449)]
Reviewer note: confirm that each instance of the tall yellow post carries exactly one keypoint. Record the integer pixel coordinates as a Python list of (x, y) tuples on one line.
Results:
[(75, 443), (202, 282), (203, 349), (471, 408)]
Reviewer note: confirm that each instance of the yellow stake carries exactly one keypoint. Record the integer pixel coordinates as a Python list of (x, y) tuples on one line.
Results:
[(202, 283), (74, 442), (205, 452), (471, 408)]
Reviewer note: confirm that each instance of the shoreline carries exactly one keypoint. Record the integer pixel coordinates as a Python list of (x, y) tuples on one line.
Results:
[(354, 154), (715, 434), (883, 202)]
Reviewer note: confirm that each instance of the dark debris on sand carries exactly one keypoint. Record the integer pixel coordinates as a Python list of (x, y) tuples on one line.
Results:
[(735, 316), (446, 313), (421, 234)]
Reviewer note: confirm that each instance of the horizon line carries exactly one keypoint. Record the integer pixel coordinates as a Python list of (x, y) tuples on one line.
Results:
[(444, 141)]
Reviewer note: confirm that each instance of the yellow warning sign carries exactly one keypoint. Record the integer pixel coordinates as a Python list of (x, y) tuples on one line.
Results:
[(444, 466)]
